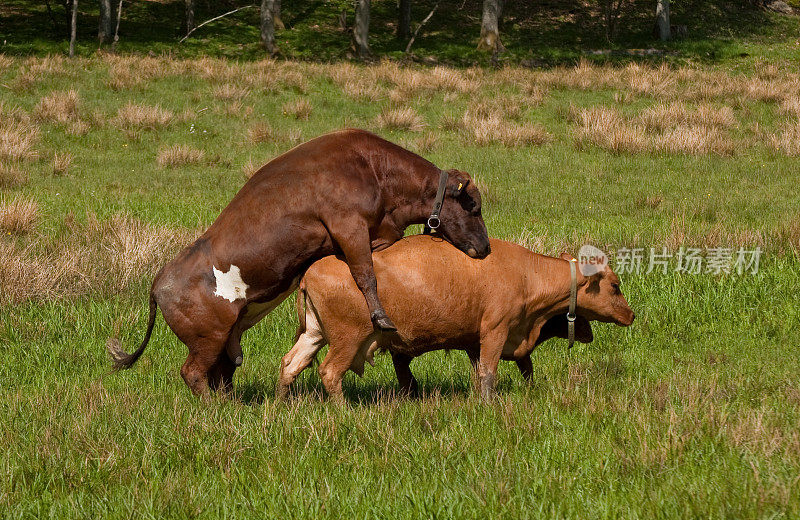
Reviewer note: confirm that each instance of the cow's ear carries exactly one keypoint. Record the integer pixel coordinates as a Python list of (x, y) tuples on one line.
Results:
[(566, 256)]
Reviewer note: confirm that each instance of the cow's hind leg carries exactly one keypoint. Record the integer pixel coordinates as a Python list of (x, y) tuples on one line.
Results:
[(402, 367), (298, 359)]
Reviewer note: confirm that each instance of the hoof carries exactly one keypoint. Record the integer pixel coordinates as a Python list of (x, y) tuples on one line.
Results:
[(383, 323)]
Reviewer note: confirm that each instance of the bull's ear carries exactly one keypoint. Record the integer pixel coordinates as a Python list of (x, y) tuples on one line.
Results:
[(566, 256), (458, 187)]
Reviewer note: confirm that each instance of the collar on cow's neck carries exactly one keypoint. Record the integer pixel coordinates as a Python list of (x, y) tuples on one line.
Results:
[(433, 221), (573, 301)]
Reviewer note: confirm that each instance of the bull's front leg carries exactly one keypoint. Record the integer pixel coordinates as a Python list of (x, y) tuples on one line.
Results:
[(352, 237)]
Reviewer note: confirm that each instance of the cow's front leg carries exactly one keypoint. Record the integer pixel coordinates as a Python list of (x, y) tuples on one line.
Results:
[(486, 368), (353, 239), (526, 367), (402, 367)]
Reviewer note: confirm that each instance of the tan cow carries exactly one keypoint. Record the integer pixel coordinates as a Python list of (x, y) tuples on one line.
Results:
[(499, 307)]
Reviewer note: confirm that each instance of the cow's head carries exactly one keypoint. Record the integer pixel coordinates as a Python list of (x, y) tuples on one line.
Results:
[(600, 298), (461, 221)]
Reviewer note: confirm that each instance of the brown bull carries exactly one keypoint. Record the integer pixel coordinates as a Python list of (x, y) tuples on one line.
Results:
[(348, 192), (500, 307)]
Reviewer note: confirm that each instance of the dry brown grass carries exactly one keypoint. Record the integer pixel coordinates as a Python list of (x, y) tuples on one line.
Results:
[(179, 155), (426, 142), (18, 216), (98, 257), (607, 128), (405, 118), (695, 140), (17, 140), (681, 130), (483, 130), (791, 106), (788, 140), (11, 176), (59, 107), (250, 168), (260, 133), (132, 116), (61, 163), (663, 116), (230, 91), (299, 108)]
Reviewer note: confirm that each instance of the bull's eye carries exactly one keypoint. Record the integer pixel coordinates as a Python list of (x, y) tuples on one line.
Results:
[(615, 286)]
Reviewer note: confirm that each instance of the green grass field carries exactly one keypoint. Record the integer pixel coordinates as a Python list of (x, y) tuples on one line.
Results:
[(690, 412)]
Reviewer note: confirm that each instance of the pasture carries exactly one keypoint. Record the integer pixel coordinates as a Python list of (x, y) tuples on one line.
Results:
[(110, 164)]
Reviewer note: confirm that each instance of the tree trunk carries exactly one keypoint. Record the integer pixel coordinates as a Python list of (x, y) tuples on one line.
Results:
[(190, 4), (73, 28), (105, 28), (277, 21), (268, 26), (361, 28), (662, 19), (404, 19), (490, 26)]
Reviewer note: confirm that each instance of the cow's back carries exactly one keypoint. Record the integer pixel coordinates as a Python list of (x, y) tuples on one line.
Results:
[(434, 293)]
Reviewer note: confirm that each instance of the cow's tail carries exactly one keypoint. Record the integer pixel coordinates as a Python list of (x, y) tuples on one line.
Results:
[(301, 305), (119, 358)]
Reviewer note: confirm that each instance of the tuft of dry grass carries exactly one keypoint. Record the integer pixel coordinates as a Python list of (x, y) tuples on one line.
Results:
[(788, 141), (98, 257), (59, 107), (179, 155), (791, 106), (132, 116), (250, 168), (260, 133), (694, 140), (11, 176), (18, 216), (229, 91), (17, 141), (299, 108), (493, 129), (426, 142), (405, 118), (607, 128), (663, 116), (61, 163)]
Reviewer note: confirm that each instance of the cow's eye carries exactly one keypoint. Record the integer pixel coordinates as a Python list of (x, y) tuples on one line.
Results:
[(615, 286)]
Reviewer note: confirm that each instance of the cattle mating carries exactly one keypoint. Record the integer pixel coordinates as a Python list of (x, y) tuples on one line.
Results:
[(348, 192), (500, 307)]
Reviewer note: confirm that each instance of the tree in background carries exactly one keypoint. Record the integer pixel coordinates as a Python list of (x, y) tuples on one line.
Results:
[(404, 19), (277, 22), (490, 26), (268, 25), (189, 15), (105, 27), (73, 28), (361, 28), (662, 20)]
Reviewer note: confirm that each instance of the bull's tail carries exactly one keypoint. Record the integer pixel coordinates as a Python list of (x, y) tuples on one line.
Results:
[(120, 359), (301, 309)]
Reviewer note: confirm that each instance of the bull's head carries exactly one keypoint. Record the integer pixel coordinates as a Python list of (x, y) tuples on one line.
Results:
[(600, 298), (461, 222)]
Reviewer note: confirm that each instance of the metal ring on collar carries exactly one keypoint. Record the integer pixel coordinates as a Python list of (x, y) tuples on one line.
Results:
[(434, 222)]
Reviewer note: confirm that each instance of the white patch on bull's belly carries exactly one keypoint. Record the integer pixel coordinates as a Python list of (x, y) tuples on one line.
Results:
[(230, 285)]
